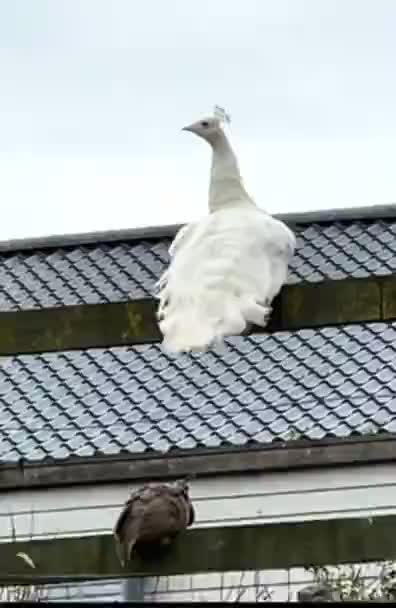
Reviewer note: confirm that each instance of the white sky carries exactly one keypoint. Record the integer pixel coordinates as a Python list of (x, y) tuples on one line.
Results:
[(94, 94)]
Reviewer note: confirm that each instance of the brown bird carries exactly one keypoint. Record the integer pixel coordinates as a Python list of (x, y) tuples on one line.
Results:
[(152, 518)]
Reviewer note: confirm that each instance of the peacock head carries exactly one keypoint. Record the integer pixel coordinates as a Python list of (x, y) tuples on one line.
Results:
[(209, 129)]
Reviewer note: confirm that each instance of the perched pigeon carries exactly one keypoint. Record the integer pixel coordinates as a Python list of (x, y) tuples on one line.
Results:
[(151, 518), (225, 269)]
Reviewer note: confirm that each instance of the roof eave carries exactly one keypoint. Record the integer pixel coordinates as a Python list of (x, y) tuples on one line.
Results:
[(279, 456), (374, 212)]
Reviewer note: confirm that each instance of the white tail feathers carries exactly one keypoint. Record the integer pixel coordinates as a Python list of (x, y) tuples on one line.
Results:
[(222, 278), (197, 321)]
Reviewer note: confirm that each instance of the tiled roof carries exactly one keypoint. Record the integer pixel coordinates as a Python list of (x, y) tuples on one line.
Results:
[(315, 383), (108, 272)]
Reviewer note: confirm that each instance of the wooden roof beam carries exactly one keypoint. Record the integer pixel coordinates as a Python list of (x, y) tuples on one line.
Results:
[(213, 549), (301, 306)]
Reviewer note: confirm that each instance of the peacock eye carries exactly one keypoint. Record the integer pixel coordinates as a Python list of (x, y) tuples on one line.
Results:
[(205, 124)]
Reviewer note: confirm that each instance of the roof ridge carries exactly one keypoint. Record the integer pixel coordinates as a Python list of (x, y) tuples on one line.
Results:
[(371, 212)]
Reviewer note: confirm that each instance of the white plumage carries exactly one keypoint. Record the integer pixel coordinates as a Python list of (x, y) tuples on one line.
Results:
[(225, 269)]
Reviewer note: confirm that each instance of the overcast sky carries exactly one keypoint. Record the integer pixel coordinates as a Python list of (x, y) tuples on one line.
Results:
[(94, 94)]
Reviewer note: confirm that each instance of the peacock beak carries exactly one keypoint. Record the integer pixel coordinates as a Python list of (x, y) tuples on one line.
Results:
[(189, 128)]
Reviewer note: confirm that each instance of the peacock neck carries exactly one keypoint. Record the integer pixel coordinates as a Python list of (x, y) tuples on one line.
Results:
[(226, 187)]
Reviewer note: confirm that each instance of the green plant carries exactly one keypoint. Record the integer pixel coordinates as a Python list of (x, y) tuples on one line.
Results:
[(356, 582)]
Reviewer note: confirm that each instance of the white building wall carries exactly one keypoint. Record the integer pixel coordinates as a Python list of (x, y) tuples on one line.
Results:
[(224, 500)]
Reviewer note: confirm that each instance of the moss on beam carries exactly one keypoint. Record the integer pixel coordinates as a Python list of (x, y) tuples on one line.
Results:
[(78, 327), (257, 547), (305, 305)]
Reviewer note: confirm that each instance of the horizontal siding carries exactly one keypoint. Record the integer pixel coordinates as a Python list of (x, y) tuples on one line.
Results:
[(279, 585), (229, 586), (224, 500), (104, 591), (276, 585), (253, 498)]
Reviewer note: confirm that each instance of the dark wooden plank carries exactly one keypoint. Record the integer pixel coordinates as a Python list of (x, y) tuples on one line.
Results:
[(308, 305), (78, 327), (305, 305), (290, 455), (258, 547)]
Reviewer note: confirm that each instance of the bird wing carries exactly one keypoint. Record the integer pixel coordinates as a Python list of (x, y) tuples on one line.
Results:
[(181, 238), (128, 526)]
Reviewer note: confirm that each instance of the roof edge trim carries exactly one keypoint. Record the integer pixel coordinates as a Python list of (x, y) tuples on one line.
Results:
[(287, 456), (373, 212)]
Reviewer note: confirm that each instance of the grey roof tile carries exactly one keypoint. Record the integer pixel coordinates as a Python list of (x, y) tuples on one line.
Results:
[(110, 271), (327, 382)]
